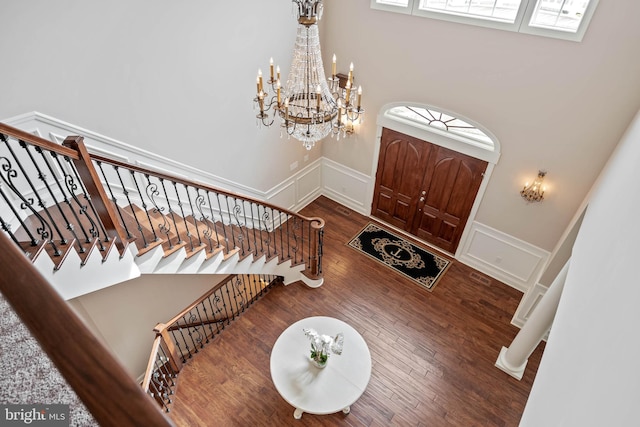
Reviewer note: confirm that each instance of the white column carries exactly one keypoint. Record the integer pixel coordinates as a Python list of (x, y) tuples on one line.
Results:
[(513, 360)]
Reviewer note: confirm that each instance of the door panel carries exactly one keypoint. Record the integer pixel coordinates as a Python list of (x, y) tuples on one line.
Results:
[(400, 173), (425, 189), (452, 185)]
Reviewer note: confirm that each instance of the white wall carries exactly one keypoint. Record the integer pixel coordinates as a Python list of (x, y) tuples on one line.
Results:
[(588, 375), (124, 315), (553, 104), (174, 78), (177, 79)]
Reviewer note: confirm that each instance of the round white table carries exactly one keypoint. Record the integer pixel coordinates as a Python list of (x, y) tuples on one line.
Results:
[(320, 390)]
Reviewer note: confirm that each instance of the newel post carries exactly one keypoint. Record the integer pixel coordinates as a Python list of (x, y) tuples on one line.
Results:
[(101, 202), (174, 359), (317, 225)]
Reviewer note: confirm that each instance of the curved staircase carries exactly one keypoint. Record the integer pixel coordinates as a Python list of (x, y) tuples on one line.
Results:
[(88, 221)]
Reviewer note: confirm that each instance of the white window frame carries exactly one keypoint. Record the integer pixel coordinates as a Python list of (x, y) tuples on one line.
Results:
[(521, 23)]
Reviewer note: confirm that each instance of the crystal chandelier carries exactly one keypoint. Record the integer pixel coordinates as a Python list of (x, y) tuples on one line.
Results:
[(309, 106)]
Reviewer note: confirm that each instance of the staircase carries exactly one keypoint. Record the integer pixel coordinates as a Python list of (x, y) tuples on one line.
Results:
[(87, 221)]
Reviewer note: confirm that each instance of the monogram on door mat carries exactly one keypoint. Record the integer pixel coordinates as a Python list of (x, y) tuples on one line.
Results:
[(413, 262)]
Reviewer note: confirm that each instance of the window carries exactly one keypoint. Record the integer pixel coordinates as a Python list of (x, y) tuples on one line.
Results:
[(564, 19), (444, 128), (441, 123)]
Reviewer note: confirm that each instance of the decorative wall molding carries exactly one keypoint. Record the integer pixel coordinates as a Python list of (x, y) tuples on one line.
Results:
[(346, 186), (503, 257), (528, 303)]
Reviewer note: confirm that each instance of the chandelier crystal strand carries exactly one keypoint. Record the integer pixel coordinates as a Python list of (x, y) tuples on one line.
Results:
[(308, 122), (310, 106)]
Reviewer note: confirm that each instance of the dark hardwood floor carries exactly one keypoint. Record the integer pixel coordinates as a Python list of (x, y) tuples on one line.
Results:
[(433, 353)]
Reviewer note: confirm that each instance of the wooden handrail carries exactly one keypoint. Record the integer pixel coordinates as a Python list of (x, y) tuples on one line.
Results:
[(317, 222), (151, 363), (199, 300), (99, 380), (37, 141)]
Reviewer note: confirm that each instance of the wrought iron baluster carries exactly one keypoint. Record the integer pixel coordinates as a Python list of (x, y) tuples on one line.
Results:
[(125, 192), (253, 287), (265, 219), (168, 368), (54, 202), (7, 227), (236, 284), (233, 311), (151, 190), (288, 237), (207, 233), (280, 251), (170, 214), (256, 239), (213, 217), (157, 394), (187, 231), (202, 324), (233, 235), (253, 227), (191, 331), (215, 300), (184, 340), (208, 319), (247, 293), (113, 199), (70, 226), (193, 214), (72, 184), (320, 249), (95, 221), (224, 228), (45, 230), (237, 210)]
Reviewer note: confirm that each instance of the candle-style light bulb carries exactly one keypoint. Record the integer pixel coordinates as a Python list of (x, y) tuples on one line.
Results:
[(261, 101), (278, 72), (359, 97), (259, 80), (351, 73), (271, 68), (333, 67), (348, 95), (278, 88)]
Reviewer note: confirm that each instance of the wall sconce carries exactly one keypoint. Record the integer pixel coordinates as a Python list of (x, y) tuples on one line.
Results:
[(534, 192)]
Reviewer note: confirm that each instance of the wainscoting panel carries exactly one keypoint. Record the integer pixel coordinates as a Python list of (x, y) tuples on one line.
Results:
[(309, 184), (503, 257), (346, 186), (528, 303)]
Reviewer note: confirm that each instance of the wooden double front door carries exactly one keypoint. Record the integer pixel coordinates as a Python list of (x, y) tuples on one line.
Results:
[(425, 189)]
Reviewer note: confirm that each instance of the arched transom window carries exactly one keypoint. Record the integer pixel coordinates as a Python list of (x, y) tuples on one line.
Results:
[(440, 122)]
